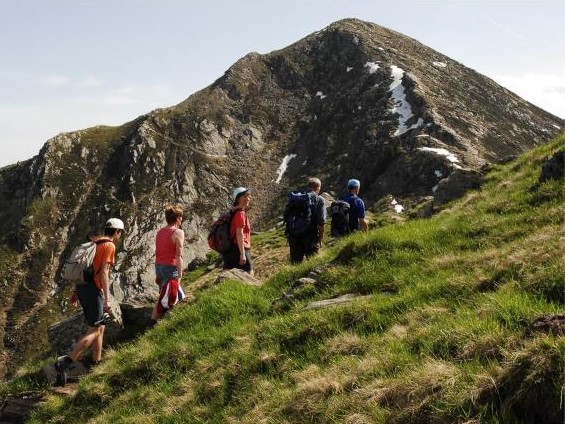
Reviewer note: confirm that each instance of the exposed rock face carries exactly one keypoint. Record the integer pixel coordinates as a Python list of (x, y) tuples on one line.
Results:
[(353, 100), (458, 182), (554, 167)]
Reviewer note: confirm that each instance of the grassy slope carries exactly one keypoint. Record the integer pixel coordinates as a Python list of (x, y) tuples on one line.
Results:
[(445, 336)]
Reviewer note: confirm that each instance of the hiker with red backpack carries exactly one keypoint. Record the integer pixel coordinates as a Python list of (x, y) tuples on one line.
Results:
[(93, 294), (169, 263), (238, 254), (305, 218)]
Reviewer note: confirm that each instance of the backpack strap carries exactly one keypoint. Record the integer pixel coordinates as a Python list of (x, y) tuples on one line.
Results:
[(98, 242)]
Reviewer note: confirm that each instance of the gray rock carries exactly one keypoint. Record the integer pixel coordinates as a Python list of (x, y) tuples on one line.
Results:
[(238, 275), (338, 301), (454, 186), (554, 167)]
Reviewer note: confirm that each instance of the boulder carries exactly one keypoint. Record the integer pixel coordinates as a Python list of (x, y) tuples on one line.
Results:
[(136, 312), (17, 409), (554, 167), (338, 301), (238, 275), (454, 186)]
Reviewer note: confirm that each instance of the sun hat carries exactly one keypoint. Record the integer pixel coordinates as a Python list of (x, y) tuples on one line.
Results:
[(115, 223), (353, 183), (238, 192)]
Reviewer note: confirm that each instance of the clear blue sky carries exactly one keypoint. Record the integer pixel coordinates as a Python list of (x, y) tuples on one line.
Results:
[(67, 65)]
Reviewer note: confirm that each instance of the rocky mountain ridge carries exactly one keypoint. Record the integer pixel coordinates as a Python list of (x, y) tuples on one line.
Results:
[(353, 100)]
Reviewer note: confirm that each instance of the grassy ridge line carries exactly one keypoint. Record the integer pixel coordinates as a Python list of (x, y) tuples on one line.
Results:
[(445, 336)]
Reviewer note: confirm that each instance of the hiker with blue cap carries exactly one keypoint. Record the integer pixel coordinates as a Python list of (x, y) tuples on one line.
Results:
[(239, 254), (348, 213), (357, 219)]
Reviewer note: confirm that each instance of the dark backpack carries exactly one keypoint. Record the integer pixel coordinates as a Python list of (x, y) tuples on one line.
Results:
[(339, 212), (298, 214), (219, 238), (78, 267)]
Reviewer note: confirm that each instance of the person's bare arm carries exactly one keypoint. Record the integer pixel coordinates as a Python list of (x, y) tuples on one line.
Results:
[(363, 224), (178, 239), (240, 245), (105, 280)]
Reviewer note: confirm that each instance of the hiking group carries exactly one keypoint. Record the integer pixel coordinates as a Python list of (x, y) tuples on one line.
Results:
[(305, 218), (89, 264)]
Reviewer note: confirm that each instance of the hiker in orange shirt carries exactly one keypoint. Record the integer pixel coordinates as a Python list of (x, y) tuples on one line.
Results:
[(94, 297)]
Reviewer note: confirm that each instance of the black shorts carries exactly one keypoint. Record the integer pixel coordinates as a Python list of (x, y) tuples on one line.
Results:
[(231, 259), (92, 303)]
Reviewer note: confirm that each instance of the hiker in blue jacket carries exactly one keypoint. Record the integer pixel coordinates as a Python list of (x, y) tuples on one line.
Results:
[(357, 219), (306, 235)]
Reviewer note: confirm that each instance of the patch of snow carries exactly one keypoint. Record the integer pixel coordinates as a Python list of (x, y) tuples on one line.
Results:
[(372, 67), (356, 40), (438, 174), (381, 49), (440, 64), (397, 206), (442, 152), (321, 95), (349, 68), (401, 105), (283, 167), (556, 126), (434, 188)]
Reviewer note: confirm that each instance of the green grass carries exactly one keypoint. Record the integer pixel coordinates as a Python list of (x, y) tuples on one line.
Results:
[(442, 335)]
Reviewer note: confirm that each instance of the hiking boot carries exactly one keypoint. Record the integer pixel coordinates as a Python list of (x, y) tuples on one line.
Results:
[(62, 367)]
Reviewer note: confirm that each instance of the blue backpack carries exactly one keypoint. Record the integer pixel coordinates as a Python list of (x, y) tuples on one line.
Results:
[(298, 215)]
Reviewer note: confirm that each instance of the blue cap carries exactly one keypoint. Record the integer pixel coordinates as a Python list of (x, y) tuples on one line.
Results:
[(353, 183)]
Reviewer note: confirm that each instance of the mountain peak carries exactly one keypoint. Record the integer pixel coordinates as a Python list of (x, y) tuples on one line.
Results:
[(352, 100)]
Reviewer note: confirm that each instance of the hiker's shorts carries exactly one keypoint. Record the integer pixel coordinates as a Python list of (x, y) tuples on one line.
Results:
[(164, 273), (92, 303)]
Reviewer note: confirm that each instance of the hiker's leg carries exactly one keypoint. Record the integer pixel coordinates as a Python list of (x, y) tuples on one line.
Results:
[(311, 245), (92, 303), (85, 342), (296, 250), (97, 345)]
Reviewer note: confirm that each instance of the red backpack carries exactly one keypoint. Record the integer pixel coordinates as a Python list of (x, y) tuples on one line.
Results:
[(219, 238)]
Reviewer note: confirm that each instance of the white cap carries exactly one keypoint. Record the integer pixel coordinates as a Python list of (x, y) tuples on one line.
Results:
[(115, 223), (238, 191)]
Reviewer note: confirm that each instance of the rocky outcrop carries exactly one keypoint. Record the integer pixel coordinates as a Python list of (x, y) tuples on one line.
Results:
[(353, 100), (454, 186), (554, 167)]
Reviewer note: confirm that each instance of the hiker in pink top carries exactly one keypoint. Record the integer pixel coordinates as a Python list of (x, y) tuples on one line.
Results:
[(169, 263)]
